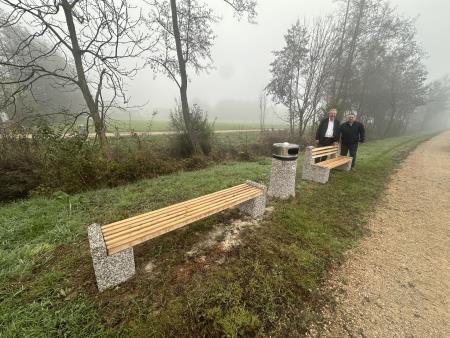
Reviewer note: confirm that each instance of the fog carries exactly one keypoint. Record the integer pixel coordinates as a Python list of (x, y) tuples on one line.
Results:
[(243, 51)]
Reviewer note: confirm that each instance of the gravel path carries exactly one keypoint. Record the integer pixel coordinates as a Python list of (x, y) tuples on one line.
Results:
[(396, 283)]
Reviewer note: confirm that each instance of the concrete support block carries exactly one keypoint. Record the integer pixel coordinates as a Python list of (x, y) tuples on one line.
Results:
[(109, 270), (312, 172), (316, 174), (282, 179), (256, 206)]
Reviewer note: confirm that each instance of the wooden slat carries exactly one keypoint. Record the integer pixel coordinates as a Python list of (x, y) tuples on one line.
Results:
[(332, 161), (105, 227), (324, 154), (164, 212), (170, 214), (175, 224), (323, 148), (315, 150), (332, 164)]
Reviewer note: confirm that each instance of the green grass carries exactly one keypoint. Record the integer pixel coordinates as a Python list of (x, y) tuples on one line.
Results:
[(270, 285), (161, 125)]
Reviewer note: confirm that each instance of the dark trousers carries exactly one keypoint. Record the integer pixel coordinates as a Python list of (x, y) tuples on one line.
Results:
[(325, 142), (352, 148)]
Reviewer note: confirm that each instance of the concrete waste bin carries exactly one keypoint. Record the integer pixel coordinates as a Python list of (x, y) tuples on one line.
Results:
[(284, 168)]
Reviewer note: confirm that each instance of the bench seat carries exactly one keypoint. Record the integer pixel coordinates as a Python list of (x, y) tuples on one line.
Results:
[(334, 162), (135, 230)]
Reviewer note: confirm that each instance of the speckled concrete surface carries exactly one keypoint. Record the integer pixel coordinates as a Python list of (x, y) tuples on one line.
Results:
[(255, 207), (109, 270), (311, 172), (282, 179)]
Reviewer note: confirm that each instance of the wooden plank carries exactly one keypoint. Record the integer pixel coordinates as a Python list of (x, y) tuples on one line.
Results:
[(169, 214), (323, 155), (319, 151), (323, 148), (104, 227), (133, 232), (173, 225), (174, 208), (331, 160), (332, 164)]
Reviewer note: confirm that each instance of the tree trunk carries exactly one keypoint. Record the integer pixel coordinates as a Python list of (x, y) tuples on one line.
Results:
[(99, 123), (183, 86), (340, 50), (343, 86)]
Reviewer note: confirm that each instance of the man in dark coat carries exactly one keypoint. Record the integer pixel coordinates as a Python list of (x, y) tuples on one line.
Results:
[(351, 133), (328, 131)]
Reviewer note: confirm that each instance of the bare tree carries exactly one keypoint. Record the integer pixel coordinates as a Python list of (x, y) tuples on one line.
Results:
[(184, 38), (301, 70), (44, 97), (92, 36), (287, 70), (317, 70)]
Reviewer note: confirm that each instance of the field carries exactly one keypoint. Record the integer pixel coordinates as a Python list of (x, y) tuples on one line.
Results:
[(269, 285), (161, 125)]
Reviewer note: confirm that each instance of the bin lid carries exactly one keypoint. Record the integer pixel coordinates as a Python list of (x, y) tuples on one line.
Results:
[(285, 151)]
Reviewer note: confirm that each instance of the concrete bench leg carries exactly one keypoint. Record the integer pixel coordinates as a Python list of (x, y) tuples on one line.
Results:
[(109, 270), (255, 207), (315, 173)]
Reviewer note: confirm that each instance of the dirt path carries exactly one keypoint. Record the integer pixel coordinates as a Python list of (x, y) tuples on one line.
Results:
[(396, 283)]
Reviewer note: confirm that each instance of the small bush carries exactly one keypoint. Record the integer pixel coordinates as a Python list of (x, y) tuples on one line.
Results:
[(18, 164), (203, 132)]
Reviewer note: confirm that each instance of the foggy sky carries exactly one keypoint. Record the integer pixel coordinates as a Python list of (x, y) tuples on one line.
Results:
[(243, 51)]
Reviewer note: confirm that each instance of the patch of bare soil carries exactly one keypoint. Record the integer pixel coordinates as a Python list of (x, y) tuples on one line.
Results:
[(211, 250), (225, 237), (396, 283)]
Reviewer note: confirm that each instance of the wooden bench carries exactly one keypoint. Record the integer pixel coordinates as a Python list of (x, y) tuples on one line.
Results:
[(112, 244), (329, 158)]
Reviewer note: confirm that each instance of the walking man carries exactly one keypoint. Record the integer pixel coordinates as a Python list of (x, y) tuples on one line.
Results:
[(328, 131), (351, 133)]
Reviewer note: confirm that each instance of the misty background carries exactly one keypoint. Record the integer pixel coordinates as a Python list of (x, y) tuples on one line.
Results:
[(242, 54)]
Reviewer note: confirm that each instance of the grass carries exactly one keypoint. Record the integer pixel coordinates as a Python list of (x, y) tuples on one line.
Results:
[(161, 125), (270, 285)]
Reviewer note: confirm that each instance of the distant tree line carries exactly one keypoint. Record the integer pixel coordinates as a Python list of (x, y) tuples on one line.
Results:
[(364, 59)]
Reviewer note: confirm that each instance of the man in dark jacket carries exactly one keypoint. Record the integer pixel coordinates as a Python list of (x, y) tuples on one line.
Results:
[(351, 133), (328, 131)]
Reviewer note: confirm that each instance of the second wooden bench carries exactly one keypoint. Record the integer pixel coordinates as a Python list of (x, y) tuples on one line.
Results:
[(328, 158)]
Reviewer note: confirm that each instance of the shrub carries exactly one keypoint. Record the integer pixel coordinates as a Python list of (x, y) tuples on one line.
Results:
[(203, 132), (18, 164)]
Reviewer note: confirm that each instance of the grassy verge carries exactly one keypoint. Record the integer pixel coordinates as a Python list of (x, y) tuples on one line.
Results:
[(270, 285)]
